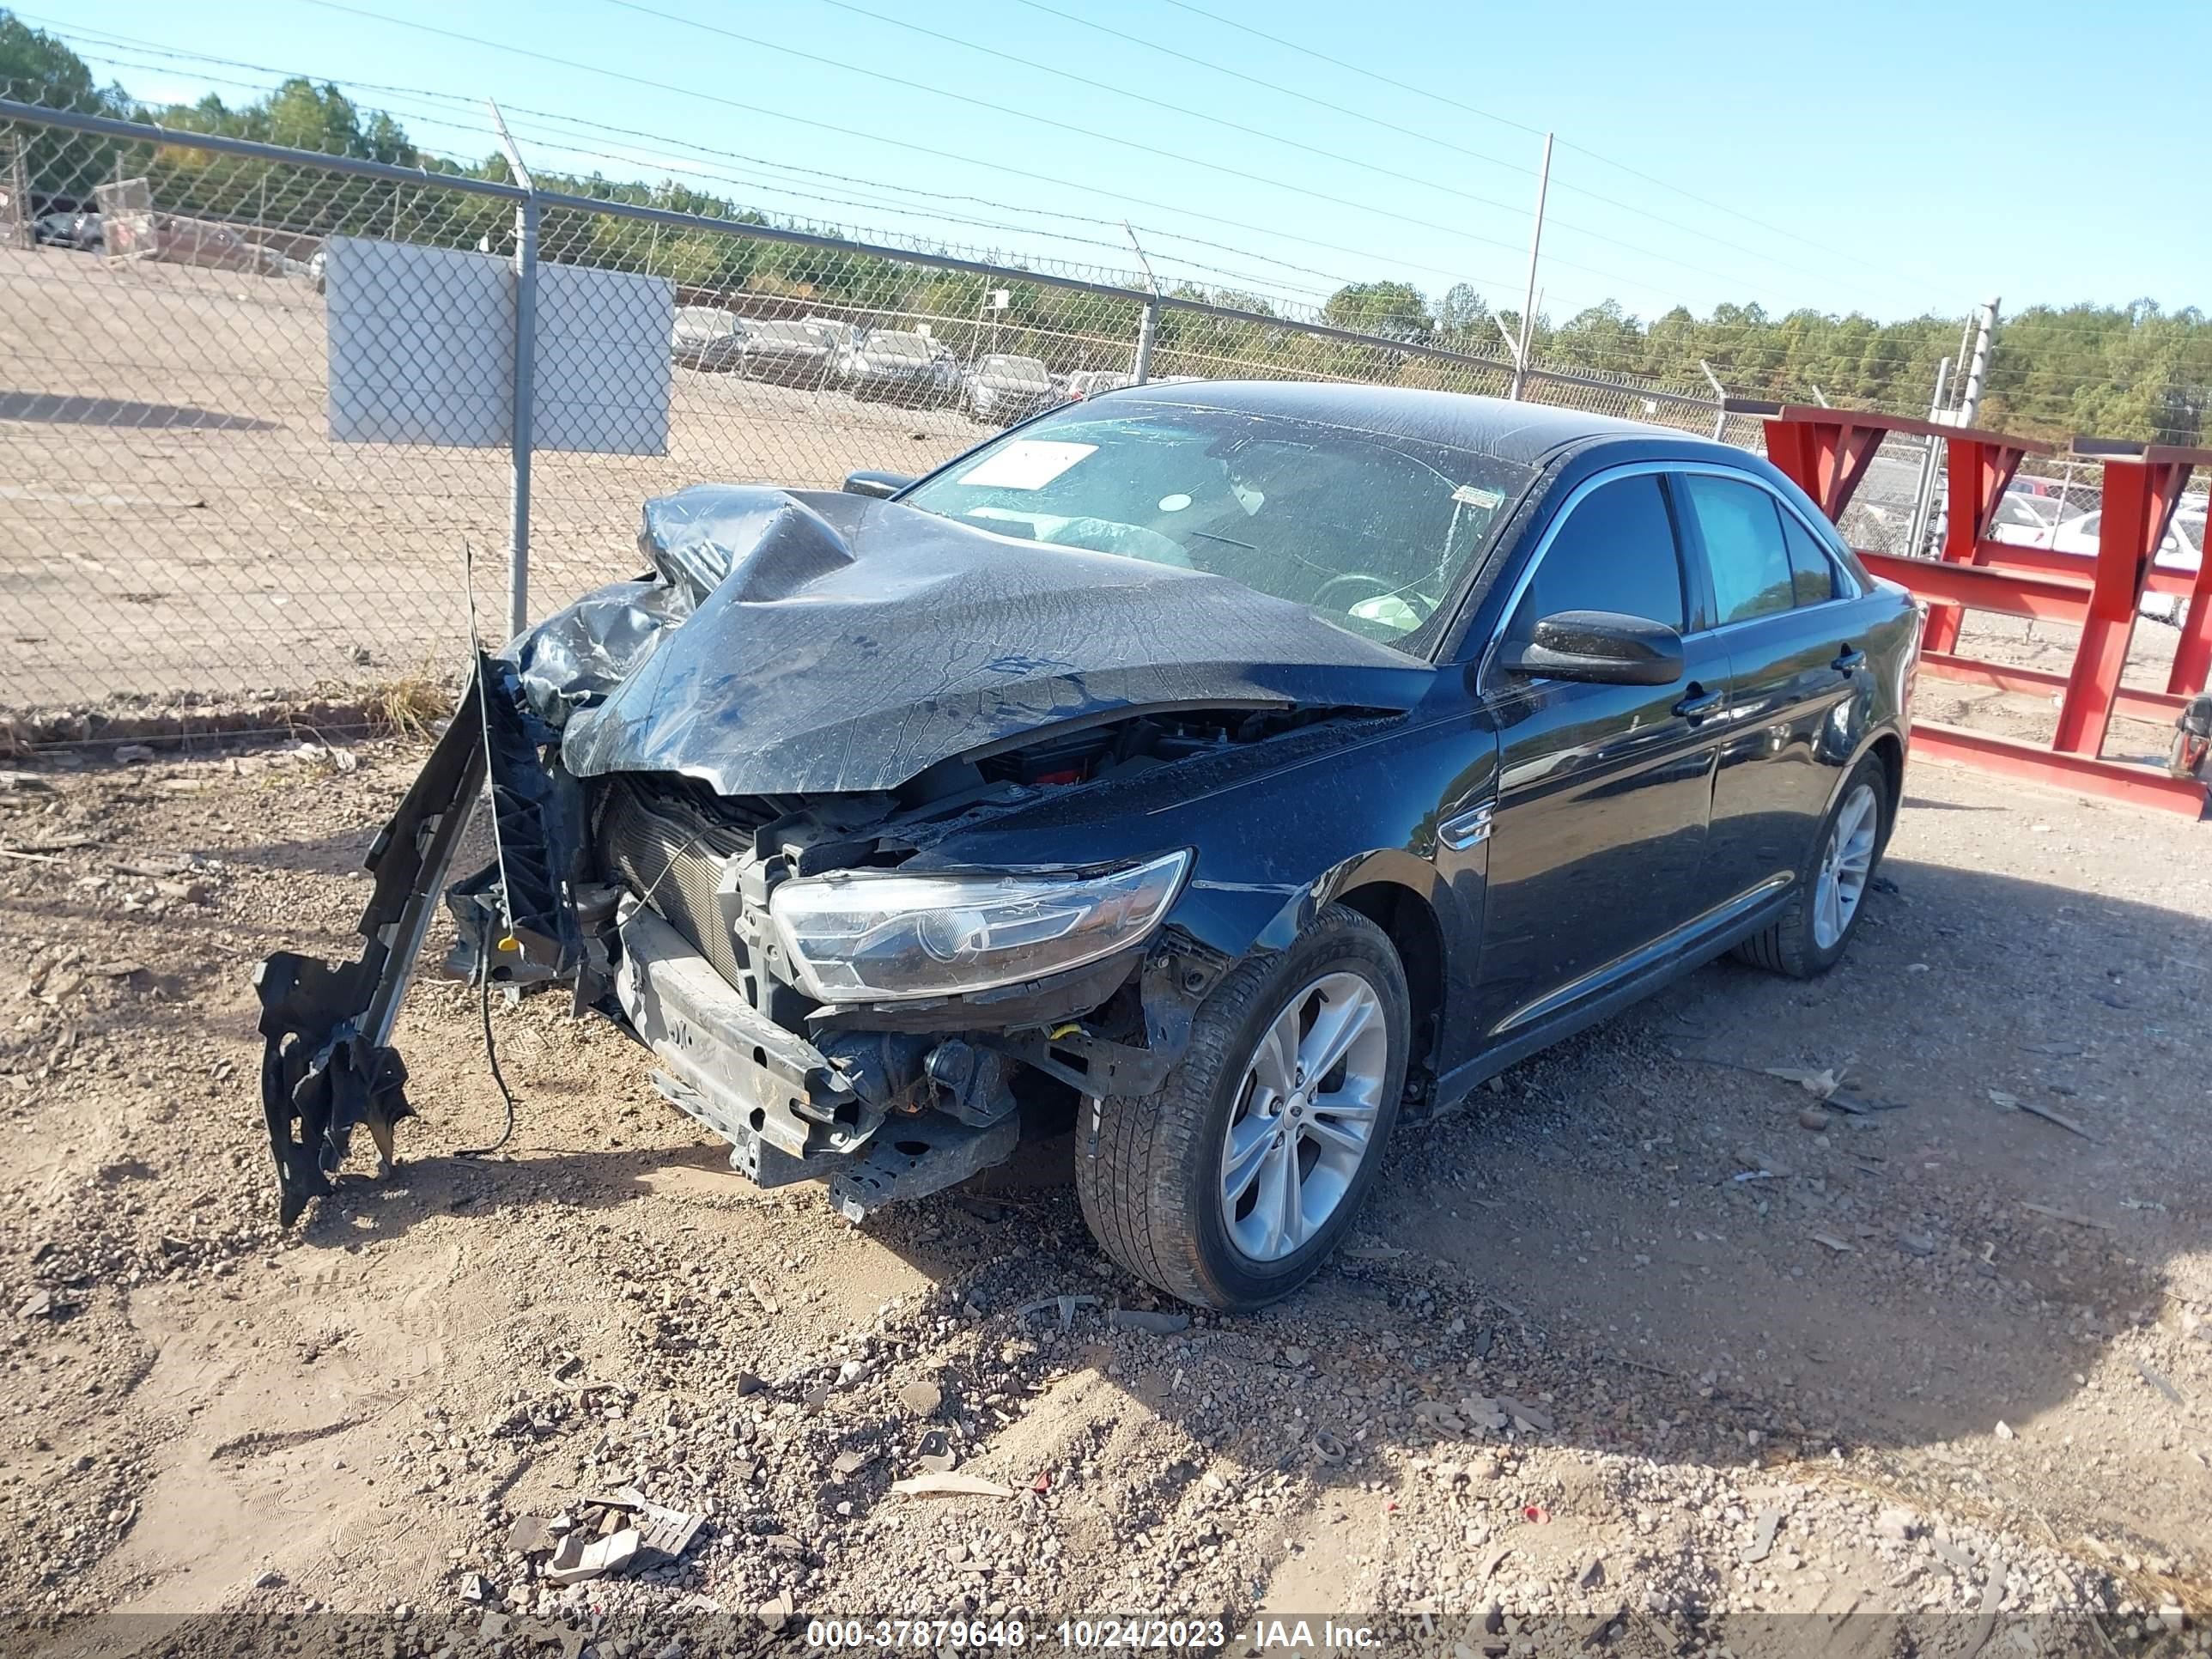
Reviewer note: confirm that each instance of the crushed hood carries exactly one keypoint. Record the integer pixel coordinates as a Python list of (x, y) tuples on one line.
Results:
[(796, 642)]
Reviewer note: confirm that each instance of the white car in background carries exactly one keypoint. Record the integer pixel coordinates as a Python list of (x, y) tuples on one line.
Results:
[(2182, 551), (2025, 520), (1003, 388)]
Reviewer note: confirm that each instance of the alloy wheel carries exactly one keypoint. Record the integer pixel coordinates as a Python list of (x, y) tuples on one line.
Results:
[(1305, 1121), (1845, 864)]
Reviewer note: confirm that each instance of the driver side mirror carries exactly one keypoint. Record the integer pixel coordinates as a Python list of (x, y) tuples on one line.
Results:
[(1602, 647), (880, 485)]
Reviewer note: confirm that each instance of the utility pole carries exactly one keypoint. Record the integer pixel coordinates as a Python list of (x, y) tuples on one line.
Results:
[(1981, 329), (1970, 400), (1923, 495), (1529, 299)]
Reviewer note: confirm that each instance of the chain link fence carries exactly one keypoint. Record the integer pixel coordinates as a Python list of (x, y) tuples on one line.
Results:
[(258, 401)]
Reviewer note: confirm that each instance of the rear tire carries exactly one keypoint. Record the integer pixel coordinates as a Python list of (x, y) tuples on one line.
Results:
[(1830, 893), (1196, 1190)]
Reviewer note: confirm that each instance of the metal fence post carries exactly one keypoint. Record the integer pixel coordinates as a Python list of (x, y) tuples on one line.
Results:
[(1148, 322), (1529, 299), (525, 382), (20, 215), (526, 388), (1719, 396)]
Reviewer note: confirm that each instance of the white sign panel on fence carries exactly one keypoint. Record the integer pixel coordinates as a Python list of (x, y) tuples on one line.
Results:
[(603, 369), (421, 344), (421, 347)]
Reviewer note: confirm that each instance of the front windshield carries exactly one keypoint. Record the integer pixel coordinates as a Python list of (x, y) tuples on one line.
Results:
[(1026, 371), (898, 345), (2039, 512), (1369, 532), (704, 319)]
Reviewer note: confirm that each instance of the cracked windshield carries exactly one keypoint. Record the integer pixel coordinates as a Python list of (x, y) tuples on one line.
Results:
[(1371, 532)]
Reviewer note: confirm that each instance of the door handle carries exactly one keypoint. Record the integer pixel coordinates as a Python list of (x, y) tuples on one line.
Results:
[(1851, 661), (1699, 704)]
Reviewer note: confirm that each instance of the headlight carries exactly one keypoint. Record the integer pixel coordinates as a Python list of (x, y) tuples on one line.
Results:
[(864, 938)]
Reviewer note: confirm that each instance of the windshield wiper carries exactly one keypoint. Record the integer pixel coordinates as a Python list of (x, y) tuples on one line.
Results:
[(1226, 541)]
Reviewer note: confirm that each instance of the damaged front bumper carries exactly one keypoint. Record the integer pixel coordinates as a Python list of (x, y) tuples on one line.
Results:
[(915, 1102), (789, 1112)]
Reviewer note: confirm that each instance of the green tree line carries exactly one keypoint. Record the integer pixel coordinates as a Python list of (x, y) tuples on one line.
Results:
[(2132, 371)]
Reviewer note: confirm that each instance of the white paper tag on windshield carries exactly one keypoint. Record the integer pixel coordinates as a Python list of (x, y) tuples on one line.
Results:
[(1471, 496), (1025, 464)]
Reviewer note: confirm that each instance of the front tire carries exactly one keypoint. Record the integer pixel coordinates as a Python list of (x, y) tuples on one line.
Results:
[(1830, 894), (1229, 1186)]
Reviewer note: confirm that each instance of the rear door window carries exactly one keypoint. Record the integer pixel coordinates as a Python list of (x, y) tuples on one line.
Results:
[(1740, 527), (1812, 572)]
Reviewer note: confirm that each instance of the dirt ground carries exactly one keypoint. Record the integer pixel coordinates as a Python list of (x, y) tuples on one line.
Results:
[(1643, 1347)]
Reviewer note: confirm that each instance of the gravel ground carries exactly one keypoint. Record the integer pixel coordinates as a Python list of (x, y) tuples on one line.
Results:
[(1643, 1347)]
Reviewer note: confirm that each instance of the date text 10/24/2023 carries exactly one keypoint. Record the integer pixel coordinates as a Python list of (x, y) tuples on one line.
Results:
[(1283, 1637)]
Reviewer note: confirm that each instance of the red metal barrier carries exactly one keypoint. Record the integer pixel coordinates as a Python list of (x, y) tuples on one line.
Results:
[(1826, 452)]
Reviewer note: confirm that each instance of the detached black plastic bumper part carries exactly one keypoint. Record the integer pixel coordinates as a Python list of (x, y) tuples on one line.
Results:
[(327, 1065), (324, 1065), (320, 1075)]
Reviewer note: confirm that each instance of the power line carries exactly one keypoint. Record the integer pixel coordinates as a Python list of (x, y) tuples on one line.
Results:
[(1092, 134), (1270, 86), (630, 4), (85, 38), (1491, 115), (1311, 149), (1904, 355), (878, 138), (1138, 97), (1430, 138)]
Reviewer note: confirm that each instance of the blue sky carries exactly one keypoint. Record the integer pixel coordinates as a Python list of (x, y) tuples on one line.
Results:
[(1890, 158)]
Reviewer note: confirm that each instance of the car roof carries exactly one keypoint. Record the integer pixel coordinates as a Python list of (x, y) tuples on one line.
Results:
[(1528, 434)]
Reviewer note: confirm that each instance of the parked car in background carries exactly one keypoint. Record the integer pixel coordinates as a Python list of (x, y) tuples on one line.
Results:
[(1225, 775), (2182, 549), (56, 229), (87, 231), (791, 354), (888, 363), (1002, 389), (707, 337), (835, 332), (1090, 382), (2024, 520)]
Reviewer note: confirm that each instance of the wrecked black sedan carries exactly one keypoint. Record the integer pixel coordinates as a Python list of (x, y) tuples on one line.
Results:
[(1238, 768)]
